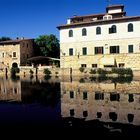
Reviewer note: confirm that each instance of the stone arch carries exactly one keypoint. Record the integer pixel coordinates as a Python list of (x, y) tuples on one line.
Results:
[(14, 65)]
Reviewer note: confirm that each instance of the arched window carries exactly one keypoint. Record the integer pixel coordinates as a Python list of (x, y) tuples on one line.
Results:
[(114, 29), (70, 33), (130, 27), (84, 32), (98, 30)]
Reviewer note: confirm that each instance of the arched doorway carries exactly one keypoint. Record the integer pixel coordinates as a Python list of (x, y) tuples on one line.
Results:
[(14, 65)]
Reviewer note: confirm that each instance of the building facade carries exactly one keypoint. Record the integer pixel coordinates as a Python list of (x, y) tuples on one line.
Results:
[(15, 52), (111, 39)]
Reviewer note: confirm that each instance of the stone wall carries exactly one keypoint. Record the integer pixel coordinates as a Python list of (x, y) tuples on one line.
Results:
[(129, 60)]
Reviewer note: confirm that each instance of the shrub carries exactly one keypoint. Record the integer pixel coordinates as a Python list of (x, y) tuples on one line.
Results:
[(129, 71), (14, 71), (15, 78), (81, 69), (122, 79), (122, 71), (47, 72), (31, 72), (101, 71), (47, 77), (82, 80), (92, 71)]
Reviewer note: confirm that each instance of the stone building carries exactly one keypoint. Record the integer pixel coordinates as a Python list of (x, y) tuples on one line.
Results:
[(110, 39), (15, 52)]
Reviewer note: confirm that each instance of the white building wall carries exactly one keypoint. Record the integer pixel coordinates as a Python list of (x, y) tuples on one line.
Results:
[(115, 11), (122, 33), (122, 38)]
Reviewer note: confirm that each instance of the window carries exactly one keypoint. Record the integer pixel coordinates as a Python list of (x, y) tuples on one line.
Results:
[(84, 51), (70, 51), (130, 117), (114, 49), (113, 116), (114, 97), (85, 114), (70, 33), (72, 112), (99, 96), (94, 65), (15, 90), (83, 65), (98, 30), (99, 50), (99, 115), (130, 98), (71, 94), (27, 56), (121, 65), (84, 32), (130, 27), (14, 54), (84, 95), (27, 45), (130, 48), (113, 29), (3, 54)]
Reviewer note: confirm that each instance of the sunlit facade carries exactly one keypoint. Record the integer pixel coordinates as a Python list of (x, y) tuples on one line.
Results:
[(110, 39)]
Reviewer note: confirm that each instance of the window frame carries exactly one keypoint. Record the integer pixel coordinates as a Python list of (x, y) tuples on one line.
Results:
[(117, 50), (130, 27), (113, 29), (130, 50), (14, 54), (98, 31), (70, 51), (98, 51), (70, 33), (84, 51), (84, 32)]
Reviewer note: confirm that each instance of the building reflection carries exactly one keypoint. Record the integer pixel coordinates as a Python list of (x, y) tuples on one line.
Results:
[(103, 101), (29, 90), (10, 90)]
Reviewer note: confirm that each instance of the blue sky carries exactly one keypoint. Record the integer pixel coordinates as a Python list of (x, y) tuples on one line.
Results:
[(31, 18)]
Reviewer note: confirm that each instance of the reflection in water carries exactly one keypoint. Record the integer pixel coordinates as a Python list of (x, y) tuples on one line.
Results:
[(32, 102), (66, 103), (108, 102)]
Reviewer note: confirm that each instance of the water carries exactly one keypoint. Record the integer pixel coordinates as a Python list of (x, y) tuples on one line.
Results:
[(106, 105)]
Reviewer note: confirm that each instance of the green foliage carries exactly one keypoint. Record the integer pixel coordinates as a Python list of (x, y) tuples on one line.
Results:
[(14, 71), (82, 80), (47, 45), (31, 72), (92, 71), (119, 79), (4, 38), (47, 77), (47, 72), (101, 71), (129, 71), (15, 78), (81, 69), (122, 71), (122, 79)]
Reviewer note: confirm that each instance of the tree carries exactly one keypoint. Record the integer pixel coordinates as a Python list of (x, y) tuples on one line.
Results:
[(47, 45), (4, 38)]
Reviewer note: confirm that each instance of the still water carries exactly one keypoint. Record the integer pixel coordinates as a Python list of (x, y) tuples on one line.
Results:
[(110, 105)]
